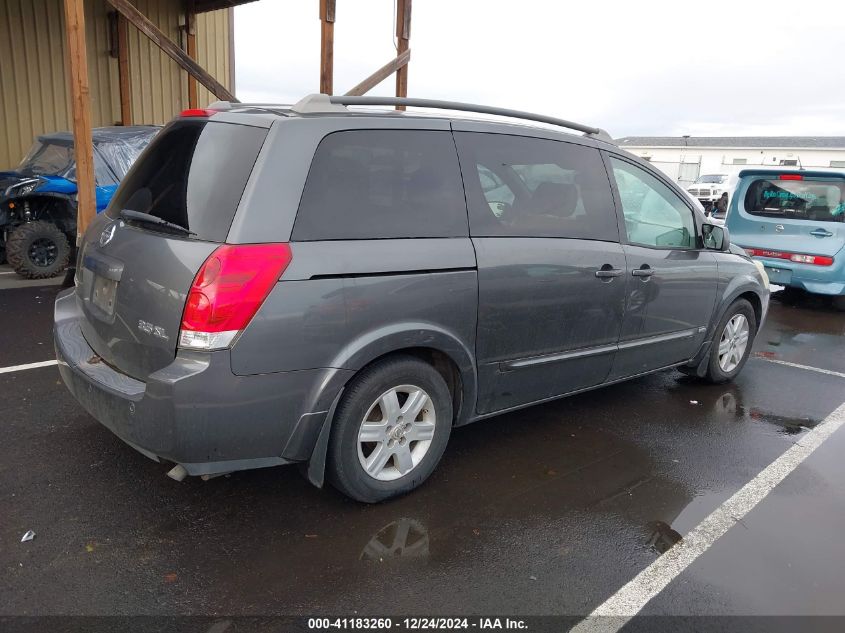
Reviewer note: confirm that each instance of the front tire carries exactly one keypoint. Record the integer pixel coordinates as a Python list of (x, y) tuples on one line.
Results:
[(38, 250), (390, 429), (732, 344)]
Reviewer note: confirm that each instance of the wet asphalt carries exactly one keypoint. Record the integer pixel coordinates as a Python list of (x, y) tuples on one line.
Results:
[(549, 510)]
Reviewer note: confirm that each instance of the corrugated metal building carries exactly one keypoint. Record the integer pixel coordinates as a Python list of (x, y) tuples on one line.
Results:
[(33, 82), (685, 158)]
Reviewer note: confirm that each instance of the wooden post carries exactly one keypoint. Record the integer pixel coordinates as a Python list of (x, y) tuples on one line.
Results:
[(191, 37), (143, 24), (403, 36), (123, 77), (80, 100), (327, 8)]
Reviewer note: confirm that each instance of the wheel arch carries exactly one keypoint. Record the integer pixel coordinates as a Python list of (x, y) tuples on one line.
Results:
[(739, 288), (430, 342), (451, 357), (61, 209)]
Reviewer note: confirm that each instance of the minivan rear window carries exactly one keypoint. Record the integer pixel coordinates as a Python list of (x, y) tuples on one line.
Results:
[(193, 174), (383, 184), (805, 199)]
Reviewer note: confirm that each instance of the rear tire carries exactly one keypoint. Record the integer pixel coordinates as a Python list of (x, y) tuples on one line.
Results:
[(405, 407), (839, 303), (38, 250), (732, 343)]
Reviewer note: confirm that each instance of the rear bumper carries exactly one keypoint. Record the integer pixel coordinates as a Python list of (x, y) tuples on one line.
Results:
[(815, 279), (195, 412)]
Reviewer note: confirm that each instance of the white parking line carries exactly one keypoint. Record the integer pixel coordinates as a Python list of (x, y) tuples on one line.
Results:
[(7, 272), (616, 611), (807, 367), (43, 363)]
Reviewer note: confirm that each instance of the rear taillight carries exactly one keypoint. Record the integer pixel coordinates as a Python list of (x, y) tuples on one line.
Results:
[(790, 177), (817, 260), (228, 290), (197, 112), (798, 258)]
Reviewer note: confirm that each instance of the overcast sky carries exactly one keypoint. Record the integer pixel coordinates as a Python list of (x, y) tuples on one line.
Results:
[(712, 67)]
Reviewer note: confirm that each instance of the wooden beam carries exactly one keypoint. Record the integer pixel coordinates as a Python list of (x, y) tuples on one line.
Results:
[(327, 8), (403, 37), (381, 74), (80, 101), (191, 38), (125, 85), (143, 24)]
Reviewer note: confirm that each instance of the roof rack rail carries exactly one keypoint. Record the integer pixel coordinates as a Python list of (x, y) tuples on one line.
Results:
[(329, 103), (225, 106)]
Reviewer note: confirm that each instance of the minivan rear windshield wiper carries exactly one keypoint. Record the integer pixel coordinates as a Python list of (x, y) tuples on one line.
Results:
[(140, 216)]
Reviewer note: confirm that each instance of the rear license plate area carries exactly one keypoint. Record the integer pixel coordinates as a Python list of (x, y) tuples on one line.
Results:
[(779, 276), (103, 294)]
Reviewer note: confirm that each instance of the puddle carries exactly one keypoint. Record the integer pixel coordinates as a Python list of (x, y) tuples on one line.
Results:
[(787, 425), (662, 537), (404, 538)]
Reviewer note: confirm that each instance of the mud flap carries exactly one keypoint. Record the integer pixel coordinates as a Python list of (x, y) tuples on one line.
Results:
[(698, 366), (316, 472)]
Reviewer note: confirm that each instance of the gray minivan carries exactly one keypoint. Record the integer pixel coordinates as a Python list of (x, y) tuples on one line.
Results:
[(339, 288)]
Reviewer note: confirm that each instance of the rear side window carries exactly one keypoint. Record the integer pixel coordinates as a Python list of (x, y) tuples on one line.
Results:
[(193, 174), (527, 187), (819, 200), (381, 184)]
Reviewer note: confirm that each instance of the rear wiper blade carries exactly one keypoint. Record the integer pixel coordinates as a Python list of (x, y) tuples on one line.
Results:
[(140, 216)]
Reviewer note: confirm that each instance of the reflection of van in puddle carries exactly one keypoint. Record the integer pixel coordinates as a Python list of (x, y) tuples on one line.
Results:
[(794, 221)]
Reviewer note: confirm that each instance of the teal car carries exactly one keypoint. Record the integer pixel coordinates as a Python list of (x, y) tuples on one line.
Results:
[(794, 222)]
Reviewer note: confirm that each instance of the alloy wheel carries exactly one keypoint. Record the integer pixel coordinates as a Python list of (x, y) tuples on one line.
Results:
[(396, 432), (733, 342)]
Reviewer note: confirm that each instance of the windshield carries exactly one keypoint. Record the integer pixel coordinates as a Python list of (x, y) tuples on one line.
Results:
[(48, 159), (819, 200), (716, 179)]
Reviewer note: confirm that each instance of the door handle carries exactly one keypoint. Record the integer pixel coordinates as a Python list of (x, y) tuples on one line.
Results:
[(821, 233), (608, 272), (644, 271)]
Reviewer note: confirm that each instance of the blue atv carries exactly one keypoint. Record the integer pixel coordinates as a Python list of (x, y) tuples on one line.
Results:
[(38, 199)]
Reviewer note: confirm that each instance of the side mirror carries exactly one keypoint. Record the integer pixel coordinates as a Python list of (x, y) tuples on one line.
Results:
[(715, 237)]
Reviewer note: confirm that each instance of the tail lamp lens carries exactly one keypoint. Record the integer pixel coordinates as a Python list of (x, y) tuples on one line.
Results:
[(228, 290), (798, 258), (197, 112)]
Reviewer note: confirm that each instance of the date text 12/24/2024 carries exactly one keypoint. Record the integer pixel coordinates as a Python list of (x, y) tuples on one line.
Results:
[(417, 624)]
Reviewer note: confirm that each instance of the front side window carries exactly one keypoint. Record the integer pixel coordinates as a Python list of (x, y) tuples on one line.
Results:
[(528, 187), (819, 200), (382, 184), (654, 214)]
